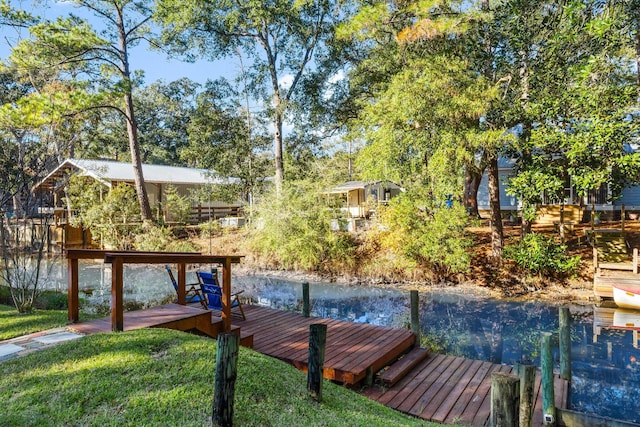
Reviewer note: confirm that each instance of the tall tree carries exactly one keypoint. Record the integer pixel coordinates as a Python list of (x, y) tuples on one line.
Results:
[(104, 56), (164, 111), (428, 97), (225, 138), (279, 39)]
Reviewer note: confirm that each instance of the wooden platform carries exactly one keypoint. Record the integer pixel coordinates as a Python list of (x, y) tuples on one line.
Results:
[(602, 282), (171, 316), (352, 349), (446, 389), (454, 390)]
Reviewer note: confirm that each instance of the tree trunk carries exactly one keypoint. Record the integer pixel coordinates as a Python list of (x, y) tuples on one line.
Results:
[(638, 57), (278, 146), (132, 127), (497, 240), (471, 184)]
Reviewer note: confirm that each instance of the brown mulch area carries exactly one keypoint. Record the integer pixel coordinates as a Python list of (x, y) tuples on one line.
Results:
[(509, 282)]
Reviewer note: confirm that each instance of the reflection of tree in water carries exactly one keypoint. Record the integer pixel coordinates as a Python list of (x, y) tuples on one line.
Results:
[(500, 332)]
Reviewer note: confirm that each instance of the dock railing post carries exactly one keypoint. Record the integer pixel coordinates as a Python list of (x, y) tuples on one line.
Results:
[(73, 309), (548, 398), (527, 374), (306, 304), (415, 315), (505, 400), (565, 343), (117, 307), (225, 382), (315, 373)]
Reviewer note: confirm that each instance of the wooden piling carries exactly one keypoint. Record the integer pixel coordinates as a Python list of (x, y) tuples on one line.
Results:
[(72, 290), (548, 399), (415, 315), (527, 374), (306, 304), (565, 343), (317, 343), (505, 400), (226, 373), (117, 308)]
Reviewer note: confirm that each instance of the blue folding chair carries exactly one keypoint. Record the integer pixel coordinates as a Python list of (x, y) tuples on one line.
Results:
[(192, 290), (213, 292)]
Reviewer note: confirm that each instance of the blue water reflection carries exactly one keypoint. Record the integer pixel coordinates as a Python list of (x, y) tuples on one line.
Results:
[(605, 361), (605, 364)]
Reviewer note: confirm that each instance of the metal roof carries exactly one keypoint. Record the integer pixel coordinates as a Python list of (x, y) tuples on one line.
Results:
[(107, 171), (360, 185)]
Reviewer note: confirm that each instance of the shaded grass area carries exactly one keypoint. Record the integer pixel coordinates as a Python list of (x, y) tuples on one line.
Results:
[(14, 324), (165, 377)]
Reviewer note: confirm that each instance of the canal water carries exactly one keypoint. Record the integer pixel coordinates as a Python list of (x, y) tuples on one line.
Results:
[(605, 360)]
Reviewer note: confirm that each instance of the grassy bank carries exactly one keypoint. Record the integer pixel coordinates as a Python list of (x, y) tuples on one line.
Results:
[(14, 324), (164, 377)]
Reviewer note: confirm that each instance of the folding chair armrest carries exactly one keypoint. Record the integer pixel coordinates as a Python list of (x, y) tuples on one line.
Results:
[(237, 293)]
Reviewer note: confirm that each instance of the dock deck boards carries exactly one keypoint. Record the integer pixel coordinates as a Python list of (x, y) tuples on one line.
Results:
[(454, 390), (351, 349), (445, 389), (171, 316)]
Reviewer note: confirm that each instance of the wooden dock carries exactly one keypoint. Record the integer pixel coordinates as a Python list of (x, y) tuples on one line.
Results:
[(352, 349), (454, 390), (445, 389), (170, 316)]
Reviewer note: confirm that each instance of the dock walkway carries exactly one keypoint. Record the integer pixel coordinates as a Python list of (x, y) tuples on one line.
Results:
[(446, 389)]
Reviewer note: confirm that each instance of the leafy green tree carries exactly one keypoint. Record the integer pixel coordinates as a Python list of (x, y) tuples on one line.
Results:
[(279, 39), (571, 97), (103, 56), (227, 139), (164, 113), (425, 109), (112, 215)]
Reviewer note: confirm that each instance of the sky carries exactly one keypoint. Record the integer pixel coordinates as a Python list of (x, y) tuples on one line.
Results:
[(156, 65)]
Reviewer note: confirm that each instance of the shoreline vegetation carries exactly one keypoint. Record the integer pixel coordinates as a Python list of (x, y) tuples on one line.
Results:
[(484, 279)]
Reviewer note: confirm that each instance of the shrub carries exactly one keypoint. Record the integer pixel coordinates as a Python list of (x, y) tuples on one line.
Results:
[(52, 300), (428, 236), (293, 230), (114, 217), (178, 208), (209, 228), (154, 238), (542, 255)]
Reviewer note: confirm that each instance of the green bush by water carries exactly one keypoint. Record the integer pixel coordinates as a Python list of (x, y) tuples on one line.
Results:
[(542, 255)]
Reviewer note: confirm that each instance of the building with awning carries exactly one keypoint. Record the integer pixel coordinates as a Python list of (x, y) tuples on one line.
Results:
[(157, 179), (360, 198)]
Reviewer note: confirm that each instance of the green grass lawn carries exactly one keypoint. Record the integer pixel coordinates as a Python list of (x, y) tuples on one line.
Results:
[(162, 377), (14, 324)]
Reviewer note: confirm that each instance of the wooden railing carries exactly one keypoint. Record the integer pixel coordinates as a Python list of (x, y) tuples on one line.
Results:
[(117, 261), (202, 213)]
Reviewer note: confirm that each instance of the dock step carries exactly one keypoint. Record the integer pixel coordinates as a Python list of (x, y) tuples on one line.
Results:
[(401, 367), (246, 339)]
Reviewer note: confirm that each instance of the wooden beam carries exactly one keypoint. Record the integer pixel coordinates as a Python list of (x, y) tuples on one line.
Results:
[(170, 258), (182, 283), (73, 309), (226, 294), (117, 306)]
